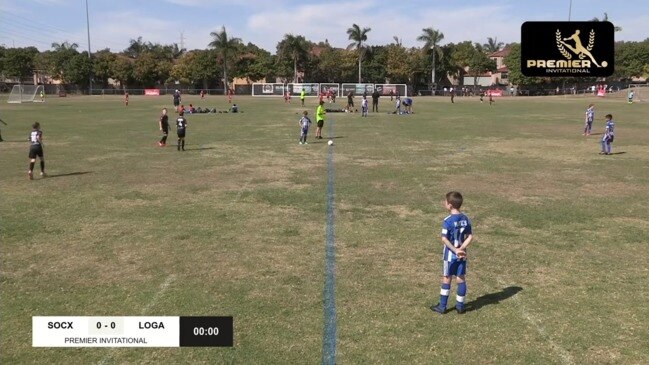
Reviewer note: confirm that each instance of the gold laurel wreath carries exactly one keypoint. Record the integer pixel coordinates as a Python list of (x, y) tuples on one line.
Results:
[(591, 40), (563, 51)]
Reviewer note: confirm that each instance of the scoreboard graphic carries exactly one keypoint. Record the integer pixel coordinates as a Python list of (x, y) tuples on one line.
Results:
[(132, 331)]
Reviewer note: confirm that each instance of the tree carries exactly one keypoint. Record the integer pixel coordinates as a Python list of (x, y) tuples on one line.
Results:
[(101, 66), (225, 46), (513, 62), (77, 70), (62, 54), (19, 62), (358, 36), (65, 46), (492, 45), (631, 58), (294, 48), (605, 19), (431, 38), (122, 70)]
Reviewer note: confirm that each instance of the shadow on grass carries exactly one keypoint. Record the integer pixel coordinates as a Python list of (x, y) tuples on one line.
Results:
[(70, 174), (200, 148), (618, 153), (493, 298)]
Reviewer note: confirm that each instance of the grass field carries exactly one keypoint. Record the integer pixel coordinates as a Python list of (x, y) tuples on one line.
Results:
[(236, 226)]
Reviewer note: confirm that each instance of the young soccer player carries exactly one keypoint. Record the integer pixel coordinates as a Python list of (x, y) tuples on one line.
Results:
[(320, 119), (176, 98), (630, 95), (126, 98), (364, 106), (456, 237), (42, 96), (181, 125), (305, 122), (36, 149), (3, 122), (397, 105), (202, 94), (302, 96), (350, 101), (164, 127), (230, 93), (609, 135), (590, 116)]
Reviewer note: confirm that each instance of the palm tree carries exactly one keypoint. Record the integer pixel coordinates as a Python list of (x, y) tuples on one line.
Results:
[(65, 46), (605, 19), (224, 46), (492, 45), (398, 41), (431, 38), (295, 47), (358, 36)]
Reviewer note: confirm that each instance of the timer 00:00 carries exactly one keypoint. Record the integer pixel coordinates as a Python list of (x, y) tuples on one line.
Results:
[(209, 331)]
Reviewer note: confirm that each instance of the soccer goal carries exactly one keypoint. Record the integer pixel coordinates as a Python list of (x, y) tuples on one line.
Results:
[(640, 92), (25, 94)]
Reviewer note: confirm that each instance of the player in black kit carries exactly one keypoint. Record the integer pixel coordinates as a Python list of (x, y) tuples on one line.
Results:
[(36, 149), (164, 127), (181, 124)]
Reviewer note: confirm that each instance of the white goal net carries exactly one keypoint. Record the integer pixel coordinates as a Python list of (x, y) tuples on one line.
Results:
[(25, 94), (640, 92)]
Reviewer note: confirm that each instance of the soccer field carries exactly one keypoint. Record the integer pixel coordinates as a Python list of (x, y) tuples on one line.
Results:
[(237, 226)]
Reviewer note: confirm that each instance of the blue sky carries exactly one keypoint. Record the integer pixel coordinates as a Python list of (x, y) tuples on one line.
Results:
[(264, 22)]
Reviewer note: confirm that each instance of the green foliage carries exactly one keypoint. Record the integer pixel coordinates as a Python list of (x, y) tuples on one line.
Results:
[(19, 62), (631, 58), (513, 62), (122, 70), (102, 66), (77, 70), (292, 50), (226, 48)]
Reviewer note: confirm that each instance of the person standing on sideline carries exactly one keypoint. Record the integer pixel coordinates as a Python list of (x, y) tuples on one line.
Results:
[(36, 149), (375, 101), (457, 235), (181, 124), (126, 98), (230, 93), (163, 123), (320, 119)]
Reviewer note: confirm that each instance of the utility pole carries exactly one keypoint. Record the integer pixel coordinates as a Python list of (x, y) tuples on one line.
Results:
[(182, 40), (89, 56)]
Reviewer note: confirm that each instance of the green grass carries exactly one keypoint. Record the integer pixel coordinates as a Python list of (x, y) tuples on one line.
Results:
[(236, 226)]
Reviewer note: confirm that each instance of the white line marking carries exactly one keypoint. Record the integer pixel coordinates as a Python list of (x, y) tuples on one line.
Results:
[(563, 354), (161, 289)]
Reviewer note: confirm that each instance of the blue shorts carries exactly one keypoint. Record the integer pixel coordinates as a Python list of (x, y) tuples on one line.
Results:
[(454, 268)]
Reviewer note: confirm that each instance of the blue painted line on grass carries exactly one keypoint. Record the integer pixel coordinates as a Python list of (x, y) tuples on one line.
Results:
[(329, 335)]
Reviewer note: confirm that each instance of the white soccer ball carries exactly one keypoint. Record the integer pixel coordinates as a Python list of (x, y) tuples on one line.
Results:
[(330, 142)]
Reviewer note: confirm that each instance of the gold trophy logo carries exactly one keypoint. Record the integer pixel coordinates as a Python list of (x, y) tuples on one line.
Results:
[(578, 49)]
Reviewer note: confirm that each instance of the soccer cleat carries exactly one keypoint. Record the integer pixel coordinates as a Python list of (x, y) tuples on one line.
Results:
[(438, 308), (460, 310), (306, 142), (43, 174), (31, 175), (300, 142)]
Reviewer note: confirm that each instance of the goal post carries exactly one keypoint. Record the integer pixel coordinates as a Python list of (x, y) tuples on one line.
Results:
[(25, 94), (640, 92)]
